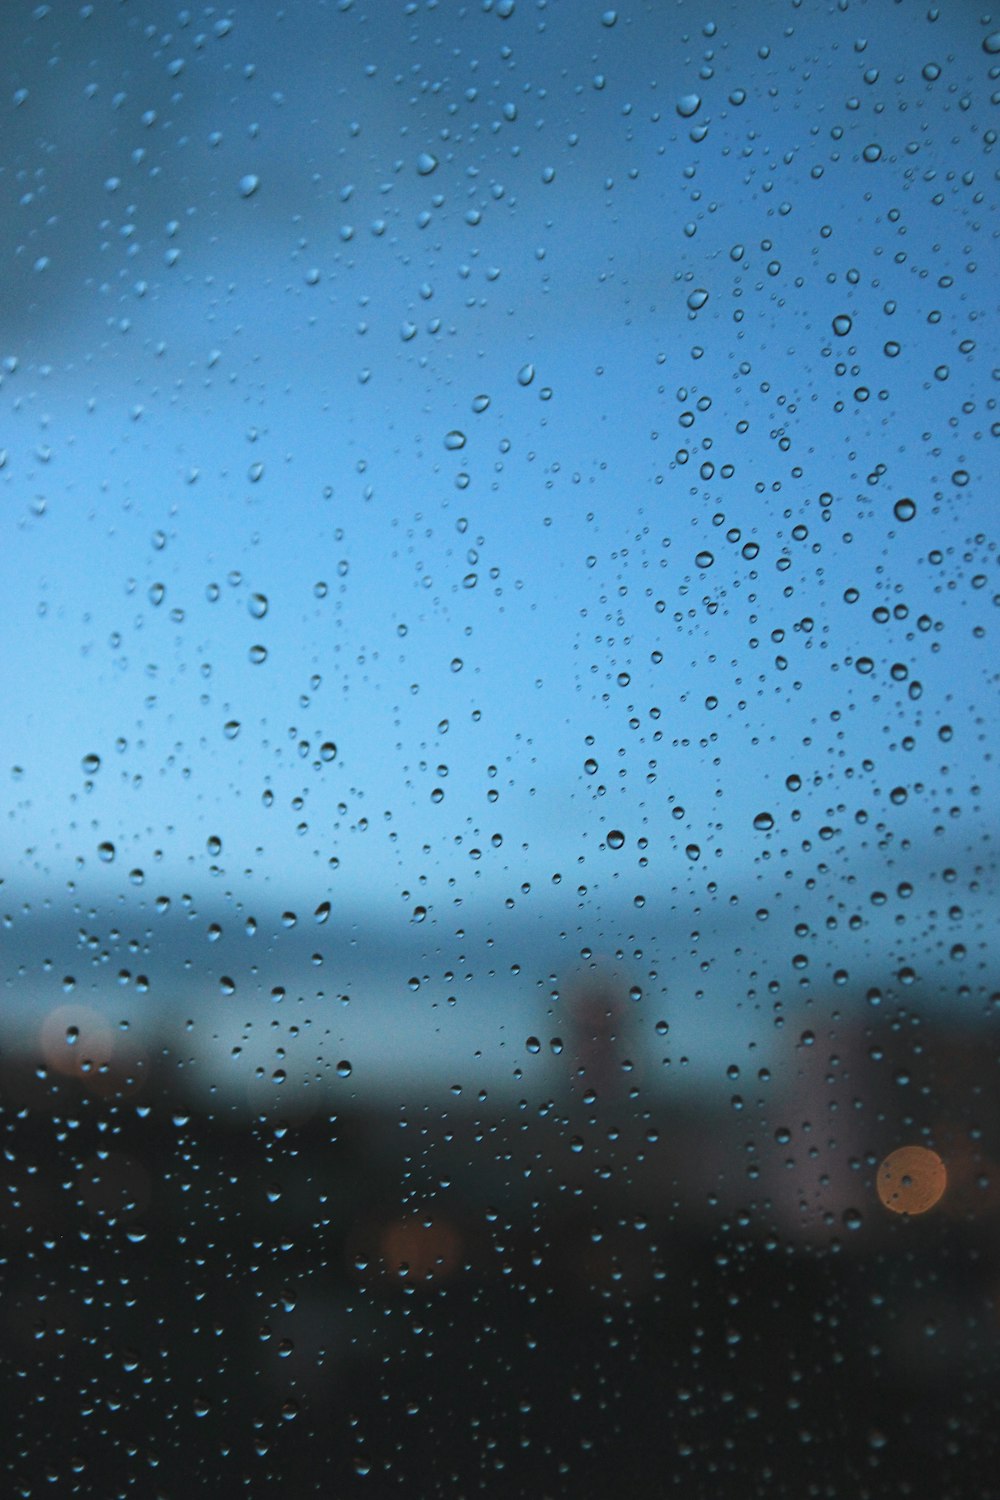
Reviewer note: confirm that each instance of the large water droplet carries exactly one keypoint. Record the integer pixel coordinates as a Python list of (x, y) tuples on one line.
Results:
[(249, 185), (688, 105)]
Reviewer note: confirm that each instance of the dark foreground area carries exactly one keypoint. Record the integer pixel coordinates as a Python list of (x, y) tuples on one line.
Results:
[(564, 1296), (554, 1299)]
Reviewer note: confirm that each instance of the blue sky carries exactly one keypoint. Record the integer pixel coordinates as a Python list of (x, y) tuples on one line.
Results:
[(627, 557)]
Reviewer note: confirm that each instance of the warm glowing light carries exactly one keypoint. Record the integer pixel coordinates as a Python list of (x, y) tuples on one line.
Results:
[(421, 1250), (76, 1040), (911, 1180)]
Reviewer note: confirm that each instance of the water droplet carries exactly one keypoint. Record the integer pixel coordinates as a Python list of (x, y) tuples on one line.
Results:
[(426, 163), (214, 846), (697, 298), (693, 851), (842, 325), (322, 912), (865, 665), (704, 559), (328, 750), (872, 152), (991, 43), (227, 985), (904, 509), (688, 105), (257, 655), (91, 764), (525, 374), (344, 1069), (533, 1044), (616, 839), (480, 403), (609, 18), (454, 440), (231, 729), (106, 852), (257, 605), (763, 822), (249, 185)]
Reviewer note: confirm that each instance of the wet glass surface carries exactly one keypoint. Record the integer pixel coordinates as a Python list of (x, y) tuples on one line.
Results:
[(499, 945)]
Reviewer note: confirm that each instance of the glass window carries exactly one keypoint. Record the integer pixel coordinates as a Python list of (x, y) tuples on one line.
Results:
[(499, 878)]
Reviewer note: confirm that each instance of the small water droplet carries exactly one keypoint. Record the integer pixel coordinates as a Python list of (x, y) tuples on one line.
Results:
[(842, 325), (106, 852), (249, 185), (344, 1069), (697, 298), (763, 822), (904, 509), (257, 605), (426, 163), (454, 440), (688, 105), (616, 839), (525, 374)]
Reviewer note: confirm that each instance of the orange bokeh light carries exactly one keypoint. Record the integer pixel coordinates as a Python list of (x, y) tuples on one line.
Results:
[(911, 1180)]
